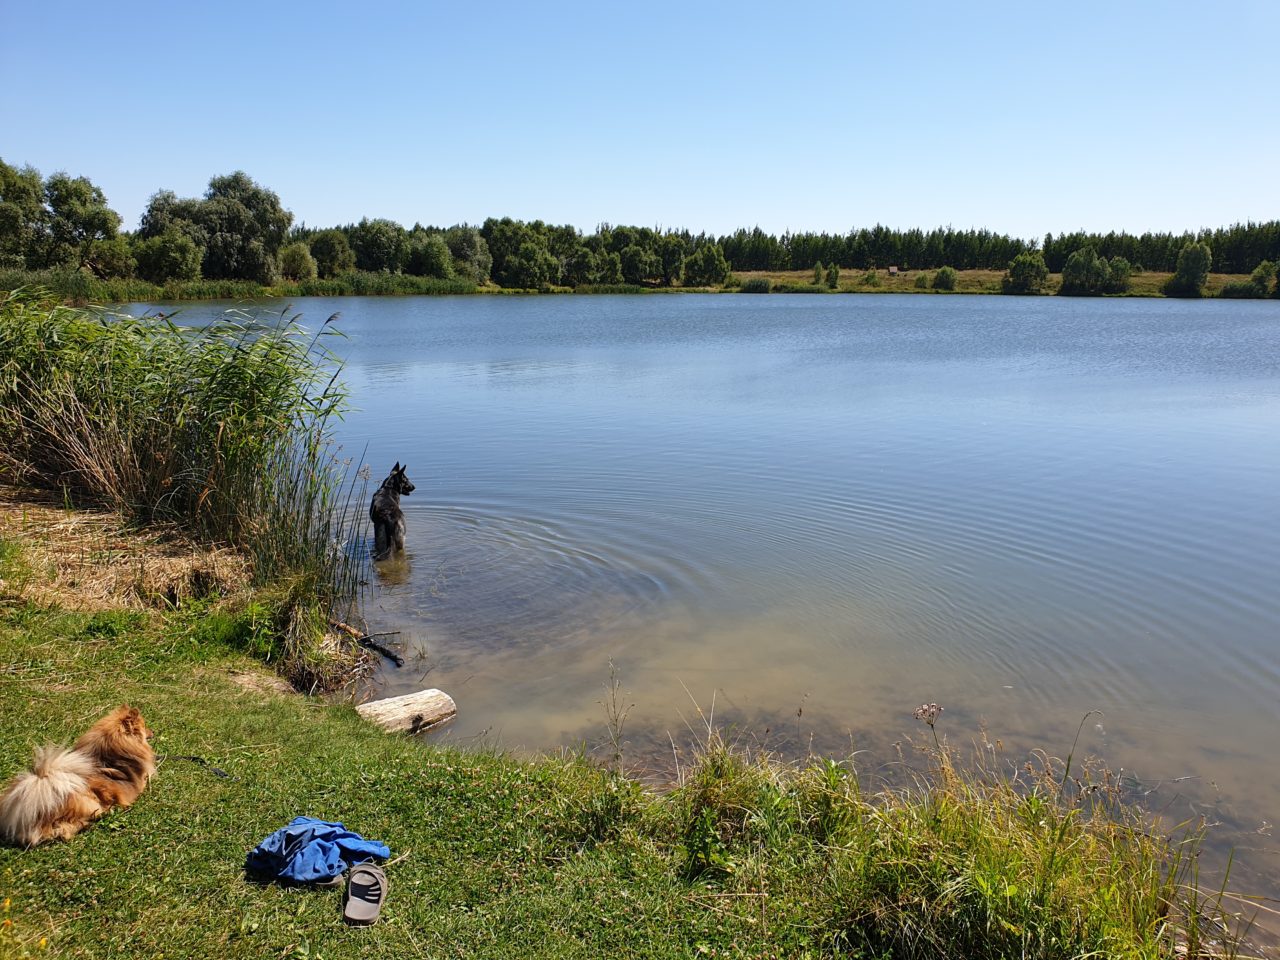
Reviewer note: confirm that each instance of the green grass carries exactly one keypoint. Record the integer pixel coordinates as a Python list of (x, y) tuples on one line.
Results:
[(616, 288), (15, 572), (504, 858), (552, 857)]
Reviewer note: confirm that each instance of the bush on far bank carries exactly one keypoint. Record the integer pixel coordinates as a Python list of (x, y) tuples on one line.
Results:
[(1027, 274)]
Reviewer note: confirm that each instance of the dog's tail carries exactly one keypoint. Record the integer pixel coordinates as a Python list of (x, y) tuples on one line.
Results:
[(38, 795)]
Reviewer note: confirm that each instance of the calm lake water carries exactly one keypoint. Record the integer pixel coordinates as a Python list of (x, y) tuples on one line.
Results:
[(813, 514)]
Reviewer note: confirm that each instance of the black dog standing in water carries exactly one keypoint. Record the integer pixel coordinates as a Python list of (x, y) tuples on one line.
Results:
[(388, 520)]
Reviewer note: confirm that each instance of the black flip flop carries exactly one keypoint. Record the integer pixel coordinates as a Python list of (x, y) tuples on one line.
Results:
[(366, 890)]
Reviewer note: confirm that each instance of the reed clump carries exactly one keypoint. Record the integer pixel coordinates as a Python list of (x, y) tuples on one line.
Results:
[(80, 287), (221, 430), (786, 287), (614, 288), (1040, 860)]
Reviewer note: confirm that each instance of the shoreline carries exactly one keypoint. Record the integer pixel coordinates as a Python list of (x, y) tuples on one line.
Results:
[(742, 854), (81, 290)]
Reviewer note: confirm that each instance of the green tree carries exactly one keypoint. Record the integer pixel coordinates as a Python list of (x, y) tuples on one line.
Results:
[(519, 251), (111, 257), (562, 242), (1191, 273), (1027, 274), (608, 268), (833, 276), (380, 246), (471, 258), (706, 267), (332, 253), (818, 272), (638, 264), (532, 267), (1121, 272), (1257, 286), (1262, 276), (270, 220), (429, 256), (239, 224), (296, 262), (945, 279), (580, 267), (170, 256), (503, 238), (1085, 274), (22, 214), (232, 251), (166, 210), (671, 252), (245, 226), (78, 218)]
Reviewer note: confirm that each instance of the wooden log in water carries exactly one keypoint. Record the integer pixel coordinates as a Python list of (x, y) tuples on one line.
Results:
[(412, 713)]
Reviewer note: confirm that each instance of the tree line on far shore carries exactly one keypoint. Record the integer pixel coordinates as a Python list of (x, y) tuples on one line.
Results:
[(240, 231)]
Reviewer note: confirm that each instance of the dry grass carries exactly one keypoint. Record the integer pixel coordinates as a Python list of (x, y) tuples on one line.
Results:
[(262, 684), (91, 560), (851, 281), (1146, 284)]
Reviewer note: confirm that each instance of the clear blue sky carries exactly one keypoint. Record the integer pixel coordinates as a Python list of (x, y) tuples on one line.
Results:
[(1021, 117)]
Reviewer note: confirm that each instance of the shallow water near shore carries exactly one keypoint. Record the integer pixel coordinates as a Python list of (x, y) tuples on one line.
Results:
[(809, 515)]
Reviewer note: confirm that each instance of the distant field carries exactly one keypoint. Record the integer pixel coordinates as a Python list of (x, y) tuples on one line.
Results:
[(1146, 284)]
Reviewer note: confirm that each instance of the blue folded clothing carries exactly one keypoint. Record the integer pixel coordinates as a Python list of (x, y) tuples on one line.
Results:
[(310, 851)]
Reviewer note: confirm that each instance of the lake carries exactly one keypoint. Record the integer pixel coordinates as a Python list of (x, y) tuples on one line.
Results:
[(807, 515)]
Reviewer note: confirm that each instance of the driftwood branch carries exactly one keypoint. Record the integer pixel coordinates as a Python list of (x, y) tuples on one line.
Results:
[(366, 640)]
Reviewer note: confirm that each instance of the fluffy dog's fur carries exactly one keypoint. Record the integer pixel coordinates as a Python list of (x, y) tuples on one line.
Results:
[(385, 512), (66, 790)]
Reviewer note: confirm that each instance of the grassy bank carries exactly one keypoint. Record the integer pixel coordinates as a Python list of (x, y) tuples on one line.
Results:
[(1146, 284), (220, 432), (555, 857), (80, 288), (495, 856)]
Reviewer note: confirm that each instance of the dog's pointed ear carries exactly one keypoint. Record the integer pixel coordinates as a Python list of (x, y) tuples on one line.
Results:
[(132, 720), (396, 468)]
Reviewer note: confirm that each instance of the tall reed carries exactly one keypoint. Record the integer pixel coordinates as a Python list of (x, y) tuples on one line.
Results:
[(75, 286), (223, 429)]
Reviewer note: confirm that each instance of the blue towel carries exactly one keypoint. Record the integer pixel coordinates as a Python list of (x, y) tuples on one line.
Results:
[(310, 850)]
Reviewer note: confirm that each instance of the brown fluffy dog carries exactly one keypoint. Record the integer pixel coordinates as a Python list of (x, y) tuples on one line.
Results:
[(66, 790)]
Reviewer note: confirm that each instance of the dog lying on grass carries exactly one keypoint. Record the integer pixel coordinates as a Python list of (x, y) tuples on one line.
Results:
[(387, 517), (66, 790)]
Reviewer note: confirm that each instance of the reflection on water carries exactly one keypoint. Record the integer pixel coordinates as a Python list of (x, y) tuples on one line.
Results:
[(815, 513), (394, 571)]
